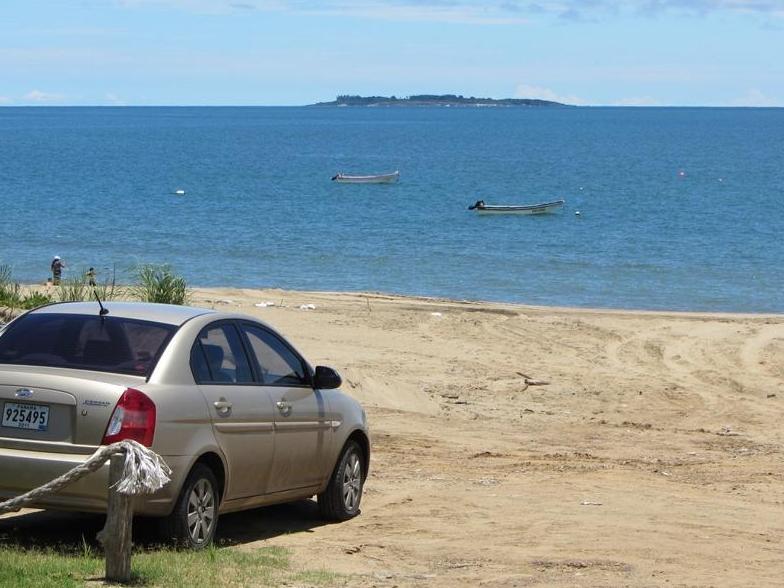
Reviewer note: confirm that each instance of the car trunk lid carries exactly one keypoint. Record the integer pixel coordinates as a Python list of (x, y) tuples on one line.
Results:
[(57, 409)]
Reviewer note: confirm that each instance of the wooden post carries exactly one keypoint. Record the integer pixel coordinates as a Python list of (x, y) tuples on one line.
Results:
[(116, 534)]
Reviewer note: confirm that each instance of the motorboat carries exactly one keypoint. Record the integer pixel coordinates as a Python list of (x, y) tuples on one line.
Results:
[(373, 179), (541, 208)]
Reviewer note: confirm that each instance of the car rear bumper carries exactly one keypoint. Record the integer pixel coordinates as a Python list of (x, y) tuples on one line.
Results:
[(23, 470)]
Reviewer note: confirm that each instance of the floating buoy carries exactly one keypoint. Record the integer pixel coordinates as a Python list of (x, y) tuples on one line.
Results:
[(682, 174), (577, 213), (180, 192)]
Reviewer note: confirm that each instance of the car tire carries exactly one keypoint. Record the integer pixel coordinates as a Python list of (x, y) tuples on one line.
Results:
[(194, 519), (340, 501)]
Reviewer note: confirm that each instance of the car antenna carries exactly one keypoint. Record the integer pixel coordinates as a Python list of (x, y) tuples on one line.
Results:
[(103, 311)]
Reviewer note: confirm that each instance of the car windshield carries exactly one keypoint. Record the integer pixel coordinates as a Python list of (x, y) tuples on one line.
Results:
[(85, 342)]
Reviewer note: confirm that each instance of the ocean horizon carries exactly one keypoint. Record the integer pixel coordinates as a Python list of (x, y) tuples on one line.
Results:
[(681, 208)]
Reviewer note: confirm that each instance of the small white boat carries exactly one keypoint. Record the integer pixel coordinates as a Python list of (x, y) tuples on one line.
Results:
[(376, 179), (542, 208)]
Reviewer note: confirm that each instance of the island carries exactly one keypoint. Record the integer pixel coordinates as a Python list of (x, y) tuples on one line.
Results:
[(436, 100)]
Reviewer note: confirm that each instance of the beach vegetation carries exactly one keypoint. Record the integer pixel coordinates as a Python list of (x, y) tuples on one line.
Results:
[(73, 290), (159, 283), (79, 290), (109, 289), (34, 299), (13, 297), (6, 283)]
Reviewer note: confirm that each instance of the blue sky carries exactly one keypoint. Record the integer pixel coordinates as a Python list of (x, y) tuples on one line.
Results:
[(289, 52)]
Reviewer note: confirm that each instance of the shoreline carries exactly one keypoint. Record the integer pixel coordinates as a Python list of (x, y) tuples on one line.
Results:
[(488, 304), (201, 292)]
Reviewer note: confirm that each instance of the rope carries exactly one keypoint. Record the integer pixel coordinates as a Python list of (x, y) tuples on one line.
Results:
[(144, 472)]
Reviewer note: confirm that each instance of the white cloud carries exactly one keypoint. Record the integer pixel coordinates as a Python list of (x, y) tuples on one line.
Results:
[(540, 93), (66, 31), (755, 97), (637, 101), (114, 100), (199, 6), (453, 11), (475, 11), (772, 7), (42, 97), (448, 12)]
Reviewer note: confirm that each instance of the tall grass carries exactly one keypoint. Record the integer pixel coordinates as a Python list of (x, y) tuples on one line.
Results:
[(35, 299), (73, 290), (13, 297), (109, 290), (153, 283), (159, 283), (8, 290), (79, 290)]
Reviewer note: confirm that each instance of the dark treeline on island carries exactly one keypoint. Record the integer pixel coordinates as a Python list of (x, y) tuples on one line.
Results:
[(434, 100)]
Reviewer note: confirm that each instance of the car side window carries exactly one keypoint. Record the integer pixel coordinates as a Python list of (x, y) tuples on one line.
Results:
[(199, 367), (278, 364), (219, 350)]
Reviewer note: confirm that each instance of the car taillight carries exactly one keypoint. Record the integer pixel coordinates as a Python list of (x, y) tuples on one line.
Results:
[(133, 418)]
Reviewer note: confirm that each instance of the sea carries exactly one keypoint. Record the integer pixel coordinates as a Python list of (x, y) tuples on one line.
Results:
[(679, 208)]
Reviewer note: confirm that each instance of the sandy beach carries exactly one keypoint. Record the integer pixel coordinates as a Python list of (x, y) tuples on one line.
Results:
[(652, 457), (648, 451)]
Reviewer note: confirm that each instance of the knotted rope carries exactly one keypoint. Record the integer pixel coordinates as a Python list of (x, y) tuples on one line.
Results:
[(144, 472)]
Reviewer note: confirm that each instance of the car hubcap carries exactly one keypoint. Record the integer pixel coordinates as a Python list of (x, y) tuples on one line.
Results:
[(352, 482), (201, 511)]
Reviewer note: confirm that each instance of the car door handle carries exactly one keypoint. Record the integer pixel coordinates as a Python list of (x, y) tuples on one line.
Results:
[(284, 407), (223, 406)]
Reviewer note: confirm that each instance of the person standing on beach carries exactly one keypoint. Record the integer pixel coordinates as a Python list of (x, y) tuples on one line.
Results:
[(57, 270), (90, 275)]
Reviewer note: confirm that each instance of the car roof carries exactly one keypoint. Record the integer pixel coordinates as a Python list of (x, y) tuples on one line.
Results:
[(147, 311)]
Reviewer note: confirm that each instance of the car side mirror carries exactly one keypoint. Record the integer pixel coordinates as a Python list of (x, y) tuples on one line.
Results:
[(326, 378)]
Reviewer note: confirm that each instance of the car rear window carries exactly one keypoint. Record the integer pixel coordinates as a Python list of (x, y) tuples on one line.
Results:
[(85, 342)]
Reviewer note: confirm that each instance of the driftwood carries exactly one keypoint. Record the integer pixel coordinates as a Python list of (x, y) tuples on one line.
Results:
[(529, 381)]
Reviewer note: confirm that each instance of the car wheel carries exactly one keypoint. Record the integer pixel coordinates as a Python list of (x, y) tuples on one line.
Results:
[(194, 519), (340, 501)]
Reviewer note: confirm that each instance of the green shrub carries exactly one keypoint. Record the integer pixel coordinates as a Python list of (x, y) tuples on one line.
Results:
[(74, 290), (10, 291), (108, 291), (7, 286), (158, 283), (12, 298), (34, 300)]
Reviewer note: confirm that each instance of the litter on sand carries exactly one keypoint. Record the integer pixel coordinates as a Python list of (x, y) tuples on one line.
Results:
[(589, 503), (529, 381), (436, 314), (264, 304), (307, 307)]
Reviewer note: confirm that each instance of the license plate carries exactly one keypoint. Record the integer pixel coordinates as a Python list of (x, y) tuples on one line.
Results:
[(26, 416)]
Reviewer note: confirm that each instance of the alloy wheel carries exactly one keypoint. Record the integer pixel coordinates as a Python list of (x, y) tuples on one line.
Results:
[(201, 511), (352, 482)]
